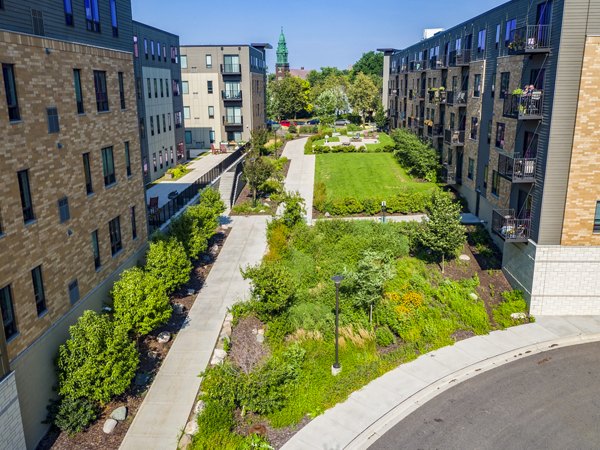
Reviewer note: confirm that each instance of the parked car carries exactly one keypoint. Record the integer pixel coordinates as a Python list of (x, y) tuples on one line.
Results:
[(285, 123), (314, 122), (272, 122), (342, 122), (300, 122)]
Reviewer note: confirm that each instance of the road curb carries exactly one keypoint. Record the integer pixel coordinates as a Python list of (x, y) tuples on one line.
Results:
[(384, 423)]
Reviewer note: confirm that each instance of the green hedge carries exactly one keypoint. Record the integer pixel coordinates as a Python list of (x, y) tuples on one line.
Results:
[(407, 202)]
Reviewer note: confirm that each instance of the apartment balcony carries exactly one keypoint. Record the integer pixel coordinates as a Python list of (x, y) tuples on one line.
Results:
[(437, 96), (530, 39), (517, 170), (422, 94), (448, 175), (232, 121), (411, 94), (463, 57), (436, 63), (229, 96), (524, 106), (435, 130), (454, 138), (231, 69), (417, 65), (509, 227), (456, 98)]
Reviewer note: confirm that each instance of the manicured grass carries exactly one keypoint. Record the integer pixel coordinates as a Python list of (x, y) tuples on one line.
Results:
[(364, 175), (322, 141), (384, 140)]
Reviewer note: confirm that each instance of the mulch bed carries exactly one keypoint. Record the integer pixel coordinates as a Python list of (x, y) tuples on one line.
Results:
[(152, 354)]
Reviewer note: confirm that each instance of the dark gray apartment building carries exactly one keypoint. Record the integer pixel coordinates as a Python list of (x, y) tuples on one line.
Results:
[(159, 99), (510, 99)]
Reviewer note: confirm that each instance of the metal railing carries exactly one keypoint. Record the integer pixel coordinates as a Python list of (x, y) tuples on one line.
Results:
[(537, 38), (458, 98), (231, 96), (454, 137), (435, 130), (509, 227), (524, 106), (518, 170), (157, 217), (448, 175), (463, 57), (417, 65), (233, 121), (232, 69)]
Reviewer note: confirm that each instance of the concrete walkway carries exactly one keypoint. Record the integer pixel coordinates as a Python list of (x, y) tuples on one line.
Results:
[(197, 168), (301, 175), (171, 397), (409, 218), (371, 411)]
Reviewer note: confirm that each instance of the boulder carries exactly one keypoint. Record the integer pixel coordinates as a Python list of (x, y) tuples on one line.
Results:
[(109, 426), (191, 292), (229, 318), (214, 250), (178, 308), (473, 296), (191, 428), (119, 414), (164, 337), (218, 356), (199, 407), (185, 442), (464, 257)]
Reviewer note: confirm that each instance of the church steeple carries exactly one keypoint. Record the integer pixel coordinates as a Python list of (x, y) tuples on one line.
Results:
[(282, 67)]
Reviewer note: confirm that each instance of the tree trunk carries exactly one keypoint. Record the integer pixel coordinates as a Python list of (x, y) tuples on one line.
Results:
[(443, 264), (371, 314), (253, 196)]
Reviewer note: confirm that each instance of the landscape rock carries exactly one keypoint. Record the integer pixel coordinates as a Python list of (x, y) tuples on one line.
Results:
[(152, 354), (214, 250), (119, 414), (260, 336), (229, 318), (178, 308), (191, 292), (164, 337), (327, 214), (191, 428), (185, 442), (218, 356), (109, 426), (464, 257), (518, 316), (141, 379), (199, 407), (473, 296)]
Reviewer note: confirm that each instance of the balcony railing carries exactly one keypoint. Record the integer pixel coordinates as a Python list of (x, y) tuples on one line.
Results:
[(455, 138), (417, 65), (233, 121), (231, 69), (524, 106), (517, 170), (231, 96), (456, 98), (448, 175), (422, 94), (463, 57), (437, 96), (509, 227)]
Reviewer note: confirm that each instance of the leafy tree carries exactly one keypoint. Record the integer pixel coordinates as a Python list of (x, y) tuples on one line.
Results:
[(257, 170), (140, 301), (98, 361), (195, 227), (273, 288), (363, 95), (258, 139), (442, 233), (168, 262), (370, 63), (294, 210), (381, 119), (329, 103), (211, 198), (288, 96)]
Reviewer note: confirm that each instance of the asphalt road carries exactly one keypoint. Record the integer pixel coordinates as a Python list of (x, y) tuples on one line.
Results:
[(546, 401)]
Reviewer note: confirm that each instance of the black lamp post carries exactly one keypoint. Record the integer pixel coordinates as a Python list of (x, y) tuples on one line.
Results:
[(337, 368)]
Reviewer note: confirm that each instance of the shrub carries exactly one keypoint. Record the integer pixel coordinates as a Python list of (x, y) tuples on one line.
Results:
[(289, 136), (178, 171), (271, 186), (311, 317), (320, 196), (272, 286), (211, 198), (97, 362), (167, 261), (353, 127), (384, 337), (418, 158), (73, 415), (195, 227), (216, 417), (513, 302), (247, 207), (140, 301), (309, 129), (294, 211), (293, 128)]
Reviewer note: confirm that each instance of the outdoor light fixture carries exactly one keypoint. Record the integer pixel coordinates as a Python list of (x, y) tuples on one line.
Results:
[(337, 368), (383, 206)]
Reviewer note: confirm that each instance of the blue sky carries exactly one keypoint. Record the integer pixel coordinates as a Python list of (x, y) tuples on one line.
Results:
[(319, 32)]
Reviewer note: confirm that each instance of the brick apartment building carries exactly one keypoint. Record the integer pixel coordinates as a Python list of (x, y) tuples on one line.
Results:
[(510, 100)]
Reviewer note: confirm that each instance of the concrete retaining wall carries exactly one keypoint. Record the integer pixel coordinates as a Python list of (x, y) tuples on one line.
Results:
[(11, 426)]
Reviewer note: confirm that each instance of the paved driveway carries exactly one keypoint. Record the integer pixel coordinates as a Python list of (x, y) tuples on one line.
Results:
[(547, 401)]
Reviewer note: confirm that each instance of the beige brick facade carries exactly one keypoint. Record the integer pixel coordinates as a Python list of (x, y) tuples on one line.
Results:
[(584, 175), (44, 78)]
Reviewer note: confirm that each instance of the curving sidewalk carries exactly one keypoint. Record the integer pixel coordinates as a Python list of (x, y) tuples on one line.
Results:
[(371, 411), (301, 175)]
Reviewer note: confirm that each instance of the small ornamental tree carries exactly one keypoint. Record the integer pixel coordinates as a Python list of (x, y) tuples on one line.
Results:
[(294, 210), (168, 262), (257, 170), (140, 302), (442, 233), (273, 288), (98, 361), (195, 227)]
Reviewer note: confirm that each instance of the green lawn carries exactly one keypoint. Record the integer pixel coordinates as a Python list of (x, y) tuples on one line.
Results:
[(364, 175), (384, 140), (322, 141)]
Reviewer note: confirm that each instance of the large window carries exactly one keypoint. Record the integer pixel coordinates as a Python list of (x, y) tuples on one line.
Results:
[(114, 229), (127, 159), (146, 47), (495, 182), (136, 49), (234, 115), (10, 87), (108, 166), (477, 85), (597, 218), (185, 87), (232, 90), (232, 64), (38, 290), (184, 64), (26, 203), (176, 91), (474, 127), (8, 312), (504, 84), (64, 213), (96, 249), (78, 90), (500, 128), (178, 119), (53, 125), (133, 224), (122, 90), (69, 12), (113, 18), (101, 91), (87, 171), (481, 40), (92, 15), (497, 35), (471, 169), (37, 19), (509, 36)]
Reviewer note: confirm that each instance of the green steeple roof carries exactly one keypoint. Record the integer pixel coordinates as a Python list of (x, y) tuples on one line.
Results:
[(282, 51)]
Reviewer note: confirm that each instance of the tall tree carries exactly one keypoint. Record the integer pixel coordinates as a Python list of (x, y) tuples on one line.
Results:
[(288, 96), (370, 63), (329, 103), (363, 95)]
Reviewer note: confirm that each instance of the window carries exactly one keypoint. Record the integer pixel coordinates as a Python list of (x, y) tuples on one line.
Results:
[(208, 61), (597, 218), (497, 35), (113, 18), (37, 19), (92, 15), (211, 136), (175, 88), (122, 90), (149, 85), (160, 160), (78, 91), (493, 86), (211, 112), (87, 171), (165, 52), (178, 119), (164, 117), (101, 92), (73, 292), (471, 169), (127, 159), (495, 182), (26, 203), (133, 225), (474, 127), (53, 126), (188, 137), (477, 85), (146, 47), (500, 127), (174, 58), (489, 132), (172, 155), (136, 50), (162, 88), (184, 61), (232, 90), (233, 115), (185, 87), (143, 128), (63, 210), (155, 88), (38, 290), (481, 40), (485, 176), (504, 84), (8, 313), (152, 49), (96, 249), (232, 64), (167, 87), (169, 115), (509, 36), (108, 166), (114, 229), (157, 124), (69, 12), (154, 162), (151, 125), (210, 86), (10, 87)]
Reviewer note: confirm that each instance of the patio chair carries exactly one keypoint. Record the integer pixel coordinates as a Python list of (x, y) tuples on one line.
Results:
[(214, 150), (223, 148)]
